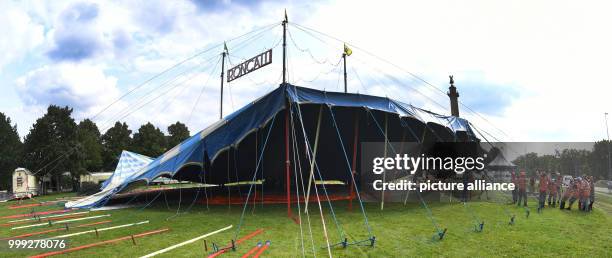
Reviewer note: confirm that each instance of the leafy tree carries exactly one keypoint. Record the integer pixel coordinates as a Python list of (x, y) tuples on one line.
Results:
[(115, 140), (89, 150), (10, 150), (149, 141), (599, 159), (49, 147), (178, 133)]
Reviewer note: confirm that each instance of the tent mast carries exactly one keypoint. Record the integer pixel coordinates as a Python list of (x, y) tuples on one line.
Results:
[(223, 54), (285, 21)]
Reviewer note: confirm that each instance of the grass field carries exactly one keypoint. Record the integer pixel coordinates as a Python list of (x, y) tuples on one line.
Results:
[(401, 231)]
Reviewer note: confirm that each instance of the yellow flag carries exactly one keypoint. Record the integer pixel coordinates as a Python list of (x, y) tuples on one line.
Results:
[(347, 50)]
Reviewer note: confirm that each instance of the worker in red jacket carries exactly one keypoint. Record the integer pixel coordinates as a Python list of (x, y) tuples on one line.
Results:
[(572, 192), (515, 191), (522, 189), (567, 194), (559, 185), (585, 191), (543, 189), (592, 194), (552, 191)]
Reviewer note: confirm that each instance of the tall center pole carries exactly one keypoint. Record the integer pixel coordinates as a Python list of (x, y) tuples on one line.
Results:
[(285, 21), (344, 58), (609, 152), (222, 70)]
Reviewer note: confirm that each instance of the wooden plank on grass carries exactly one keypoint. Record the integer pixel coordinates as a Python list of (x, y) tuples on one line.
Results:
[(81, 247), (100, 229), (56, 230), (61, 221), (186, 242)]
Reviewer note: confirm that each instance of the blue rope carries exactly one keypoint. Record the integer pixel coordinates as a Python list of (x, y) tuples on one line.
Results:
[(254, 176), (429, 214), (341, 232), (350, 170)]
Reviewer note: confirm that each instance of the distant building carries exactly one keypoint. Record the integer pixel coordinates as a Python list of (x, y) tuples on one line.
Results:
[(500, 169), (95, 177), (25, 183)]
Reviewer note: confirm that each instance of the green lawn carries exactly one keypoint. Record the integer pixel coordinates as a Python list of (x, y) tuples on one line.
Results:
[(401, 231)]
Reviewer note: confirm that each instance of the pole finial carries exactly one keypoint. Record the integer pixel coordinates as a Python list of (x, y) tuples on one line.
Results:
[(452, 81), (286, 19)]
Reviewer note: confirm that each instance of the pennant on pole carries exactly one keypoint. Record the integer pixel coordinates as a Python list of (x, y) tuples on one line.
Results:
[(347, 50)]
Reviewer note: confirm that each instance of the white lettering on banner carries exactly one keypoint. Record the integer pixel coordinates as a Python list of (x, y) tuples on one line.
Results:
[(250, 65)]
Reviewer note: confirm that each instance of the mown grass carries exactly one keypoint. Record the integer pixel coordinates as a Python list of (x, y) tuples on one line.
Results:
[(401, 231)]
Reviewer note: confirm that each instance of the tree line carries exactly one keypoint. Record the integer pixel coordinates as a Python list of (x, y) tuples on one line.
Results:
[(570, 161), (56, 144)]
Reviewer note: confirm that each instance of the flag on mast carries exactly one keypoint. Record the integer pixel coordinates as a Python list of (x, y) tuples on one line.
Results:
[(347, 50), (225, 47)]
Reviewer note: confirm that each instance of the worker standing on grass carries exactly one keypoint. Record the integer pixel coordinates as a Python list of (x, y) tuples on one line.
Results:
[(566, 195), (522, 189), (543, 190), (592, 199), (552, 192), (532, 184), (514, 192), (585, 191), (573, 192), (559, 184)]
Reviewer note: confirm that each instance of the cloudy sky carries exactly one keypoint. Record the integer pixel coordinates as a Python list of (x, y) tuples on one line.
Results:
[(532, 70)]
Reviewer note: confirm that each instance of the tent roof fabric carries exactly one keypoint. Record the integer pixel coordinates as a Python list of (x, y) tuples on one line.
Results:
[(232, 129)]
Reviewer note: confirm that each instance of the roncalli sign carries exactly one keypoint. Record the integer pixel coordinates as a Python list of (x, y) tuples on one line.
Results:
[(250, 65)]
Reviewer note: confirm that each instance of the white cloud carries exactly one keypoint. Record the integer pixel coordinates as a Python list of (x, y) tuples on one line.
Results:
[(20, 33), (553, 55), (85, 88)]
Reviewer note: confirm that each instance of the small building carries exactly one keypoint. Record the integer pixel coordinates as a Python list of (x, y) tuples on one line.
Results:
[(25, 183), (500, 169), (95, 177)]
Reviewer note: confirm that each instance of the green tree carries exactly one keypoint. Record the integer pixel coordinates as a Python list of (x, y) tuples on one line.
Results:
[(178, 133), (89, 150), (599, 159), (49, 147), (114, 141), (527, 162), (10, 150), (149, 141)]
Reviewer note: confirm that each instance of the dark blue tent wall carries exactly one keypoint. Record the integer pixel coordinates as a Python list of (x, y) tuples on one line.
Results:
[(227, 151)]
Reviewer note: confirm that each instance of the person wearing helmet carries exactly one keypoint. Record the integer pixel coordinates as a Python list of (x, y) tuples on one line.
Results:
[(552, 192), (573, 190), (522, 189), (585, 191), (592, 199), (566, 195), (532, 180), (544, 180), (515, 191), (559, 184)]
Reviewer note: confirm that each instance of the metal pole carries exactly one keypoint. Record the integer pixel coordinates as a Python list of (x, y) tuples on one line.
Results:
[(344, 58), (285, 21), (287, 163), (608, 144), (221, 97)]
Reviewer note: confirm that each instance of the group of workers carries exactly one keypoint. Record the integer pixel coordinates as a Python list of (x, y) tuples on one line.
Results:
[(552, 191)]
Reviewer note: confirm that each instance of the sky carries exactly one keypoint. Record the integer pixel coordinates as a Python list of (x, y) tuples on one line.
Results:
[(525, 70)]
